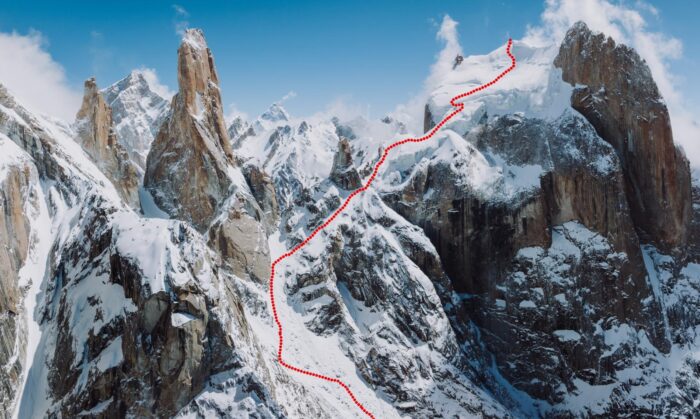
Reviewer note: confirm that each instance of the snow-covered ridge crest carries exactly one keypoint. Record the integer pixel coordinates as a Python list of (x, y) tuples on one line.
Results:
[(138, 109)]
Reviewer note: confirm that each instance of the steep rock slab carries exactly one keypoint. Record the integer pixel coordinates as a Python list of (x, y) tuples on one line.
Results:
[(263, 189), (238, 235), (17, 176), (343, 172), (188, 170), (627, 110), (95, 133)]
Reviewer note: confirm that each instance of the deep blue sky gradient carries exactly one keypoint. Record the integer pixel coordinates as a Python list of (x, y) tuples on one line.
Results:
[(370, 52)]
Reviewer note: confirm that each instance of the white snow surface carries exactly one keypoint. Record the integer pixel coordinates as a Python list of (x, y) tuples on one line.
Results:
[(149, 243)]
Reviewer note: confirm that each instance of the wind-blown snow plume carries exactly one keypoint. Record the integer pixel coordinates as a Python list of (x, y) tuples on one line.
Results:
[(411, 112), (181, 19), (449, 35)]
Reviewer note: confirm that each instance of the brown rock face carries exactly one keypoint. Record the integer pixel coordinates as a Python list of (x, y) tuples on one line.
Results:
[(188, 167), (241, 241), (263, 190), (343, 172), (625, 107), (14, 237), (97, 137)]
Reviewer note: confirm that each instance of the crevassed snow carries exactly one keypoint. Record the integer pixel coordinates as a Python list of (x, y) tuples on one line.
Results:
[(535, 88)]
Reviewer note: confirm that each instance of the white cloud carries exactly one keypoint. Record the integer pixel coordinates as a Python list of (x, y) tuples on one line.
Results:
[(411, 112), (342, 107), (34, 78), (154, 83), (449, 36), (628, 24), (290, 95), (181, 19), (234, 112)]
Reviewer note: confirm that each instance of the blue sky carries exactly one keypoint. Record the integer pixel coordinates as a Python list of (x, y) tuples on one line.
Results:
[(375, 53)]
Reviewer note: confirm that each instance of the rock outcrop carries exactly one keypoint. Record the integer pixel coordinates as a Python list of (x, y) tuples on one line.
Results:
[(138, 341), (95, 132), (627, 110), (188, 169), (240, 238), (192, 175), (343, 172), (17, 176), (263, 190), (514, 293)]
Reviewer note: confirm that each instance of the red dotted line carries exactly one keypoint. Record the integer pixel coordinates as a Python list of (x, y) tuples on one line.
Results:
[(432, 132)]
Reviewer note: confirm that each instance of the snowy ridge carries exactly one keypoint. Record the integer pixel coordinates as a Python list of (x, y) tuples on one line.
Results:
[(536, 89), (137, 111)]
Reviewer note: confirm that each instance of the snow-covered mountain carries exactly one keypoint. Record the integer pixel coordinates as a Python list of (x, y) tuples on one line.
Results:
[(137, 111), (538, 257)]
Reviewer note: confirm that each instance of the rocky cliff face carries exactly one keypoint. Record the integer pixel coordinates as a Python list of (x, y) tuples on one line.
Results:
[(214, 194), (193, 140), (18, 178), (533, 220), (142, 334), (343, 172), (481, 241), (627, 110), (96, 134)]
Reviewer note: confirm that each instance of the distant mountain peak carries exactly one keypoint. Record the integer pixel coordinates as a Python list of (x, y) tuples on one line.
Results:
[(275, 113)]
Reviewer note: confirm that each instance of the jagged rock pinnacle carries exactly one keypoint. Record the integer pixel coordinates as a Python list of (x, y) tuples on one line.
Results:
[(96, 134), (188, 166), (343, 172)]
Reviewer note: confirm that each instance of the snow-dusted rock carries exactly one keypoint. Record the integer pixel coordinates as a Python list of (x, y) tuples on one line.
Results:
[(343, 172), (508, 280), (138, 112)]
